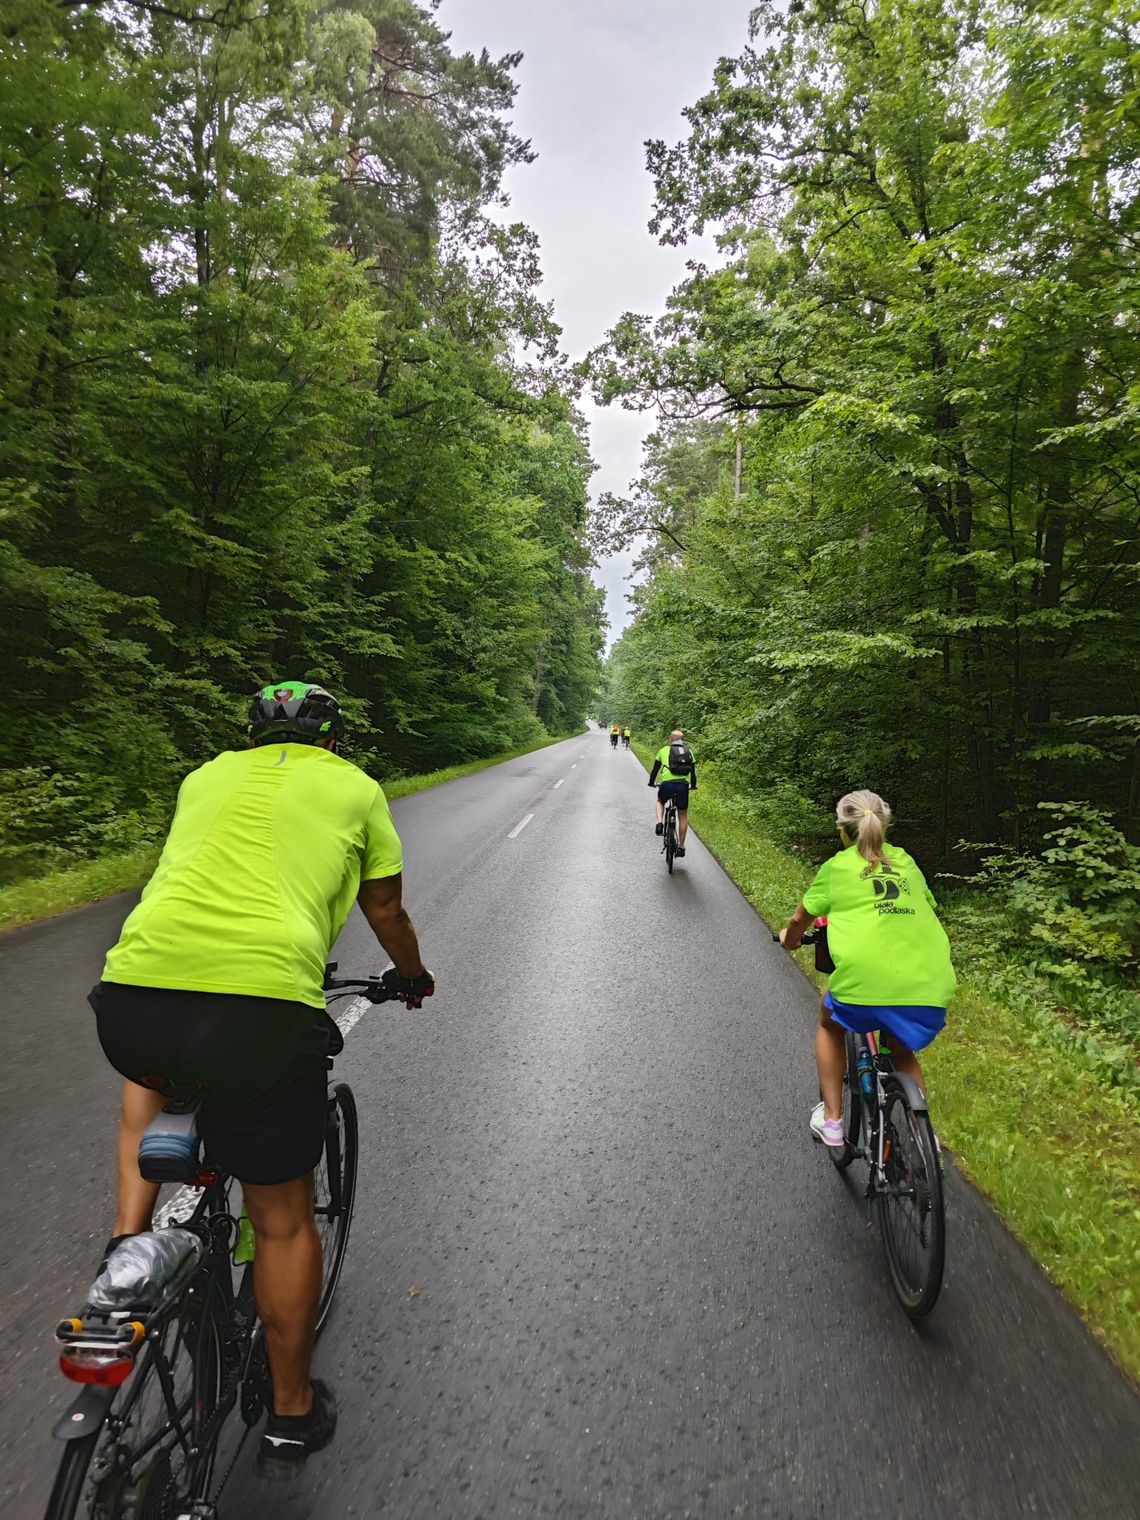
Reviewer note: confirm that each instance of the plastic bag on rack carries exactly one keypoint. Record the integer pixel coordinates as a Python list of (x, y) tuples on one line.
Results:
[(142, 1268)]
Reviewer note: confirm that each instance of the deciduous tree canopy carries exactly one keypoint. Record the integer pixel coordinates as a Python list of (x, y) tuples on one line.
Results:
[(276, 397), (925, 341)]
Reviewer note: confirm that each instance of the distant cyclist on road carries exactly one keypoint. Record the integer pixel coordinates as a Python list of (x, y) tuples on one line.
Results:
[(676, 771), (625, 738), (216, 983), (892, 958), (615, 735)]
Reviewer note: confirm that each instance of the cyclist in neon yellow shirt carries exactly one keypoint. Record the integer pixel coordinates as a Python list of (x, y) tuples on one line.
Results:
[(893, 970), (216, 982), (615, 735), (674, 774)]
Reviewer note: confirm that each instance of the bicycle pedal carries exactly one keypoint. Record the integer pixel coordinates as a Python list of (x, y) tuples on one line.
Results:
[(198, 1510)]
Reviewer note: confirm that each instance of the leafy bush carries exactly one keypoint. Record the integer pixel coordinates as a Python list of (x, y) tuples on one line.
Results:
[(782, 813), (48, 821), (1080, 897)]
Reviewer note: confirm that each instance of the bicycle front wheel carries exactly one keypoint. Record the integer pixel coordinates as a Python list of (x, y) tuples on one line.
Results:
[(334, 1191), (911, 1208)]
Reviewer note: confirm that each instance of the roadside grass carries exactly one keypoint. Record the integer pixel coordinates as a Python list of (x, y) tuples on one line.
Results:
[(44, 896), (1030, 1115), (24, 902)]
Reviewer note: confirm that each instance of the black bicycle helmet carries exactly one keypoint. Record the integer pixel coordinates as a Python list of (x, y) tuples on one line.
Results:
[(295, 710)]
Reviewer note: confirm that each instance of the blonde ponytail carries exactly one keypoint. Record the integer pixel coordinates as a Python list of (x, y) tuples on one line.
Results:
[(863, 821)]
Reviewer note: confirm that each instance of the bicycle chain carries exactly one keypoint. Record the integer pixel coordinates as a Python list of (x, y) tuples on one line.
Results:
[(233, 1463)]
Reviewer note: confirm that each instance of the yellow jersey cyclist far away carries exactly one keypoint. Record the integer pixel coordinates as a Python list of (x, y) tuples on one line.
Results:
[(882, 931), (259, 872)]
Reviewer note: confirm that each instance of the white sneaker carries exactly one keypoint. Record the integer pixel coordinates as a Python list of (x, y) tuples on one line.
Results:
[(826, 1131)]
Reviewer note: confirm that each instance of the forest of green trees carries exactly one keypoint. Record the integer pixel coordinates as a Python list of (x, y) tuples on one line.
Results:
[(278, 396), (890, 519)]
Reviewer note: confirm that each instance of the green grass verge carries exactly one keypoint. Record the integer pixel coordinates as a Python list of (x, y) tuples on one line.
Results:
[(1031, 1120), (45, 896)]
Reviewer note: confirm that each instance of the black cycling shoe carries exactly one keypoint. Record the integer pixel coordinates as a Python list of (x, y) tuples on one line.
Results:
[(680, 852), (660, 829), (289, 1440)]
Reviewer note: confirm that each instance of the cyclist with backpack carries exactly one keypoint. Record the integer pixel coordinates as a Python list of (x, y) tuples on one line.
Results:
[(615, 735), (674, 774)]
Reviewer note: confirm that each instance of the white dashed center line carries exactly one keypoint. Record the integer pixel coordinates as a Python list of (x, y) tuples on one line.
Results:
[(518, 828), (559, 782)]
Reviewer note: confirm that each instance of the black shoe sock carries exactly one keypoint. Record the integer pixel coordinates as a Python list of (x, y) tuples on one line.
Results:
[(295, 1423)]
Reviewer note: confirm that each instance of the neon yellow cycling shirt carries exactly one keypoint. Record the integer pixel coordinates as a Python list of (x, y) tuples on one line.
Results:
[(262, 864), (882, 931)]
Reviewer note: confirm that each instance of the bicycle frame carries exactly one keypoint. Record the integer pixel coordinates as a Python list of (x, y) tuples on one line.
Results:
[(874, 1107), (188, 1419)]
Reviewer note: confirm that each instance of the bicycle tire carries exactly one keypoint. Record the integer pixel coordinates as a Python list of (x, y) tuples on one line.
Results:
[(912, 1209), (852, 1110), (205, 1389), (339, 1157), (71, 1477)]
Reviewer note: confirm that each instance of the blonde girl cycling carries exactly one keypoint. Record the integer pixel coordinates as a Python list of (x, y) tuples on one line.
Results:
[(892, 959)]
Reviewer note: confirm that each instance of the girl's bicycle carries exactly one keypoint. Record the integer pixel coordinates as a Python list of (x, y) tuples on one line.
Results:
[(163, 1370), (886, 1125)]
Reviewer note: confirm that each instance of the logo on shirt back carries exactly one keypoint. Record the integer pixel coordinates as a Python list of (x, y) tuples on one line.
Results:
[(888, 887)]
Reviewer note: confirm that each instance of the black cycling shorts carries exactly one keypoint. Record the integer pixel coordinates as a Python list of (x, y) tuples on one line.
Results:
[(260, 1064), (676, 789)]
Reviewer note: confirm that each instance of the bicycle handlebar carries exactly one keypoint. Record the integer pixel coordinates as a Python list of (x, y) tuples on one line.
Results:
[(372, 987), (812, 937)]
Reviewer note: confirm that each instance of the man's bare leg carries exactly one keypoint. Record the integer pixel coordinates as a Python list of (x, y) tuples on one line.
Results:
[(286, 1284), (137, 1197)]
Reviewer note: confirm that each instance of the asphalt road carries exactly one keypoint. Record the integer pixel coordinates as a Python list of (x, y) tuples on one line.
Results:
[(597, 1267)]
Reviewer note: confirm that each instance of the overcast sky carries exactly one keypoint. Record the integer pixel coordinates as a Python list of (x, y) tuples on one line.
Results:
[(597, 78)]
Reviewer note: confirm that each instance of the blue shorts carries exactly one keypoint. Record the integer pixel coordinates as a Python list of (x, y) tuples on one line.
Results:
[(912, 1024), (679, 790)]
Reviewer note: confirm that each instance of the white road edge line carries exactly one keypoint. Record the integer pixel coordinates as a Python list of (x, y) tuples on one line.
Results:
[(558, 783), (518, 828), (182, 1201)]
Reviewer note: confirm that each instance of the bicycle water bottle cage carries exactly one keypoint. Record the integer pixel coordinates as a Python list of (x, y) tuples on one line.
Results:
[(170, 1149)]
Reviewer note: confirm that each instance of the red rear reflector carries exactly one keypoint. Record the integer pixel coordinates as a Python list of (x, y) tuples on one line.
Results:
[(98, 1367)]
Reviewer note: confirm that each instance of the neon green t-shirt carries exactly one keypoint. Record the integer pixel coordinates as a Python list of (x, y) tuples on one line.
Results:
[(882, 930), (259, 872), (665, 774)]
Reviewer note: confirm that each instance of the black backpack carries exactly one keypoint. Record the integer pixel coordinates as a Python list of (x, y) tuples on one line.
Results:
[(680, 758)]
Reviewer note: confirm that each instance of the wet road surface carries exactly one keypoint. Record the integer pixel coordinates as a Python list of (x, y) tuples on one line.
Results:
[(597, 1269)]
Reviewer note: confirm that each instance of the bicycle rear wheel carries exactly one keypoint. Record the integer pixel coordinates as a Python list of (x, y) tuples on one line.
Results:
[(911, 1209), (334, 1191), (135, 1467)]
